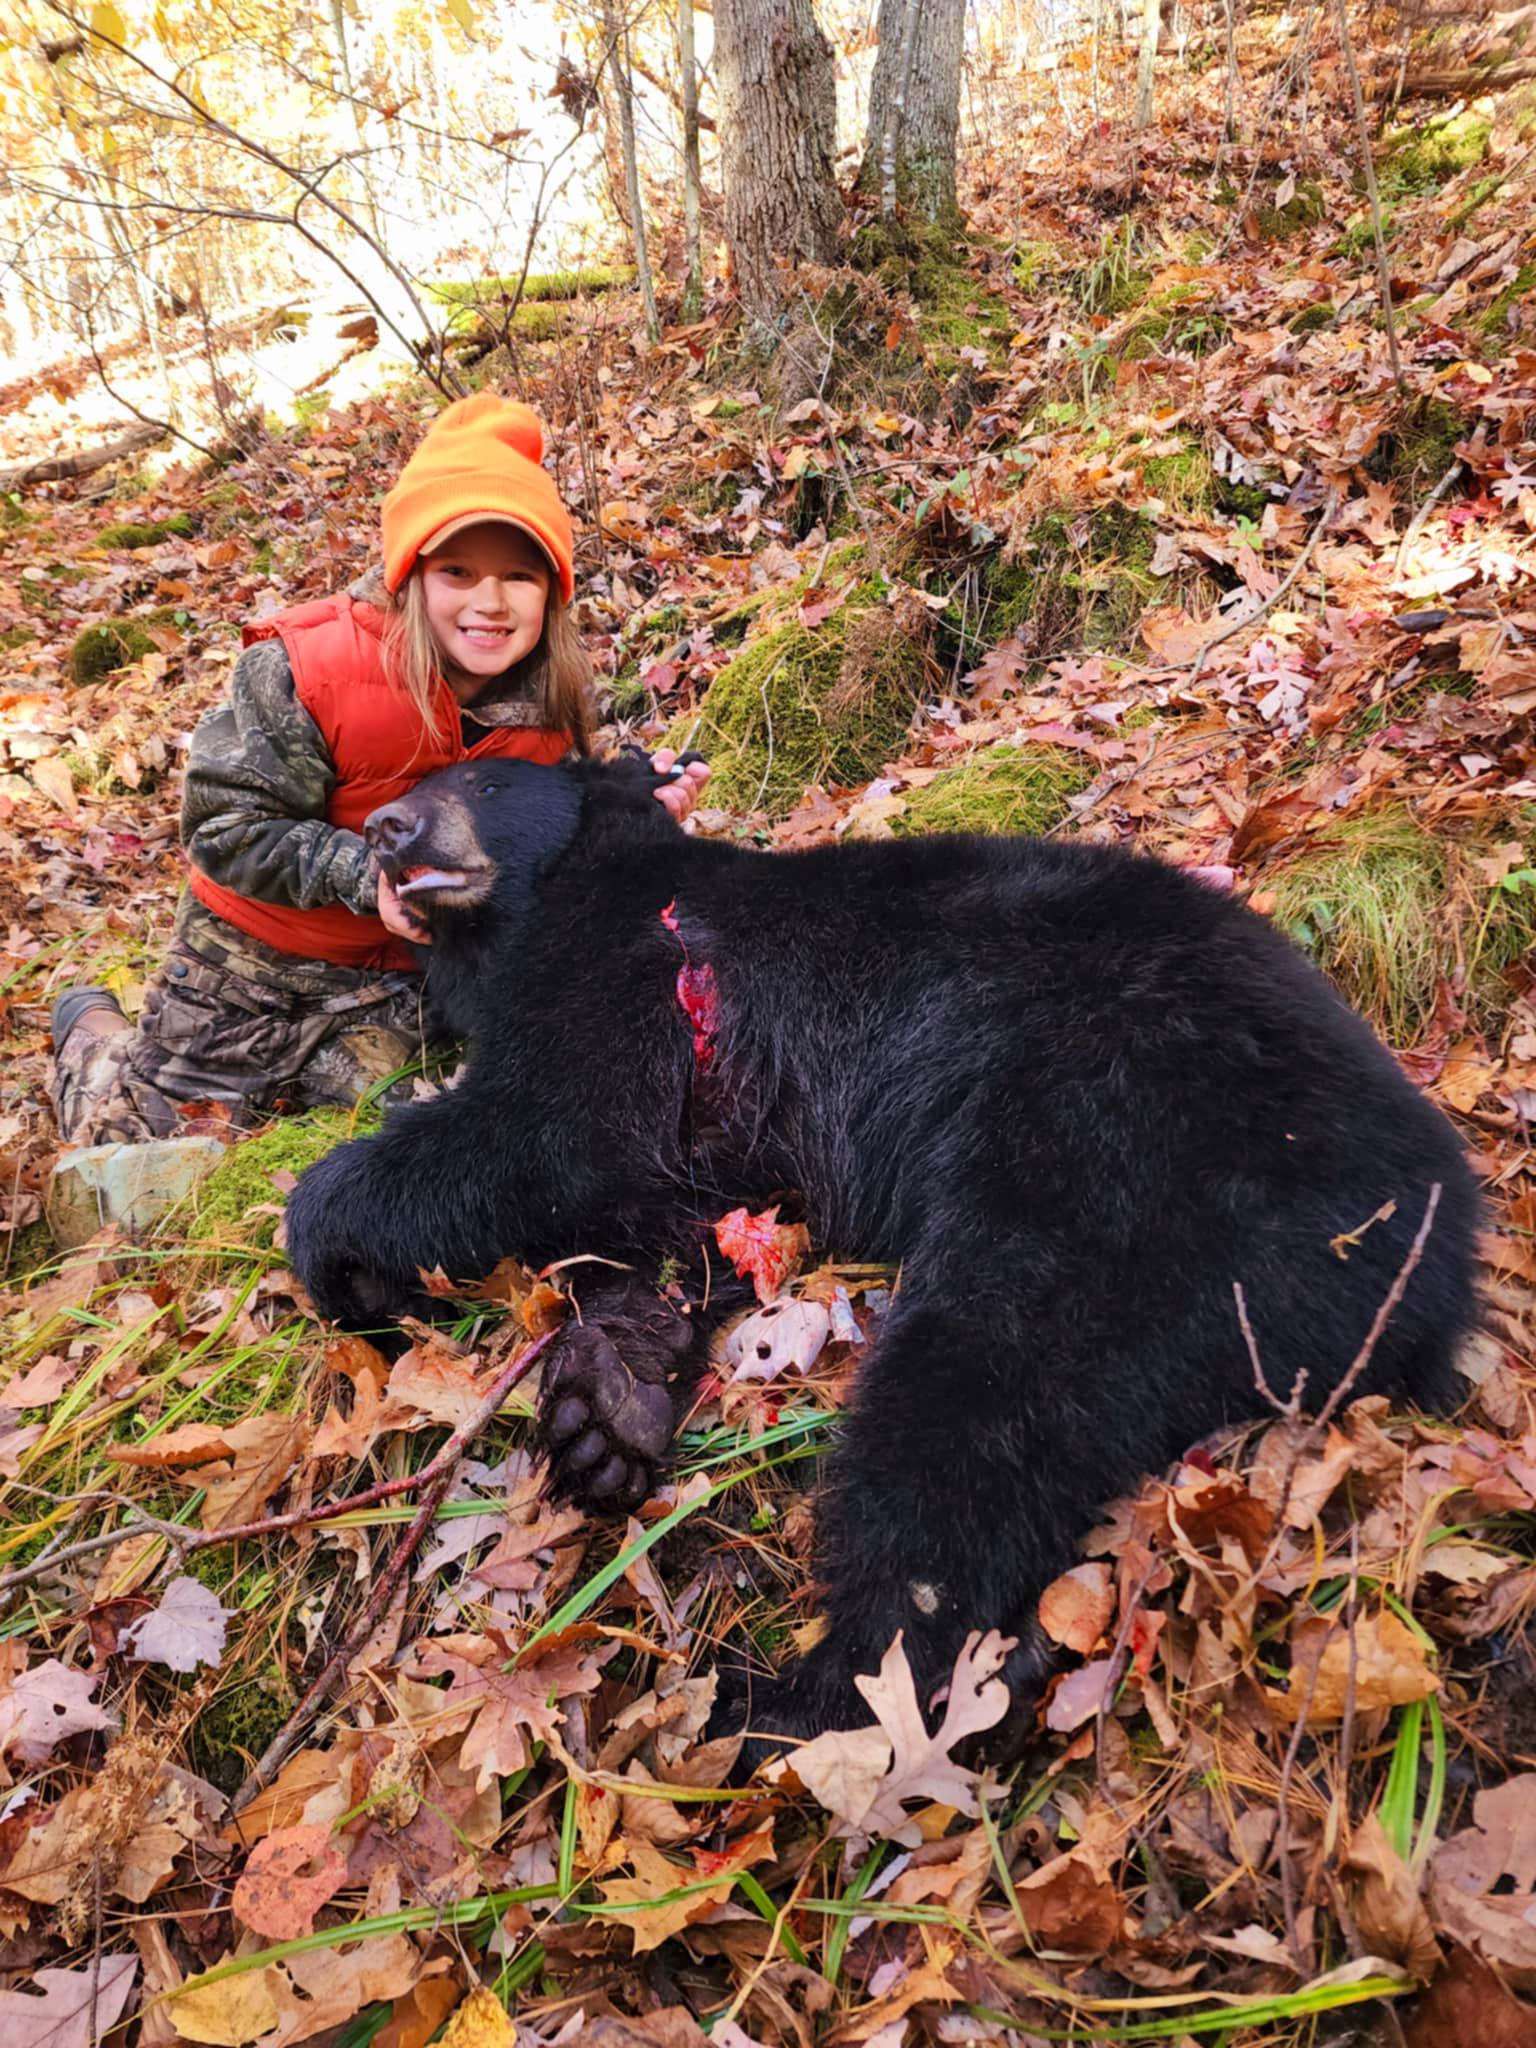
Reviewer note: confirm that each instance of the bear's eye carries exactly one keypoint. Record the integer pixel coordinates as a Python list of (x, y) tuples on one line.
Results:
[(489, 788)]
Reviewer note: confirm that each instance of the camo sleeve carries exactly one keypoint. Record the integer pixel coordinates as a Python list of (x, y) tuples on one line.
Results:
[(253, 806)]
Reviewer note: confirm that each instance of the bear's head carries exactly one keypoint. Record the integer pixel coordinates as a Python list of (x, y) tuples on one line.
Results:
[(471, 830), (485, 830)]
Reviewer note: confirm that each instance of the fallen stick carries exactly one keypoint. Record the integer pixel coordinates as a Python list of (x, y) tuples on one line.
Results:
[(48, 469), (436, 1477)]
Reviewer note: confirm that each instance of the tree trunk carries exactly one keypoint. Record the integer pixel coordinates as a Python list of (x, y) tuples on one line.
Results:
[(1146, 67), (618, 53), (778, 141), (693, 289), (925, 143)]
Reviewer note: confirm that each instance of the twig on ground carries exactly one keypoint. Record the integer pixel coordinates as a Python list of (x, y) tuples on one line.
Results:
[(1330, 506), (1293, 1941), (1416, 523), (1346, 1385), (437, 1478)]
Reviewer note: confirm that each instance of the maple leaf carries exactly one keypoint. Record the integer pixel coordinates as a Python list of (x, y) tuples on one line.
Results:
[(765, 1250), (1075, 1609), (185, 1630), (665, 1897), (287, 1879)]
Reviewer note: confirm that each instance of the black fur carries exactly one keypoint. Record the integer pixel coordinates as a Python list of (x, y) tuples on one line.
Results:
[(1074, 1094)]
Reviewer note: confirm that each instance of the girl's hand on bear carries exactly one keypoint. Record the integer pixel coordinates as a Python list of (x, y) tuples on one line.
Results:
[(679, 797), (397, 918)]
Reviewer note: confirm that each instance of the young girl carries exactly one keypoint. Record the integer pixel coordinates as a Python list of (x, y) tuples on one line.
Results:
[(288, 982)]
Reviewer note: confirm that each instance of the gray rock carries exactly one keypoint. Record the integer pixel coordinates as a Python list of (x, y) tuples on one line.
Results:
[(126, 1186)]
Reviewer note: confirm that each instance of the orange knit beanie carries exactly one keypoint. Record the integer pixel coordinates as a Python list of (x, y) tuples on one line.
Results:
[(478, 460)]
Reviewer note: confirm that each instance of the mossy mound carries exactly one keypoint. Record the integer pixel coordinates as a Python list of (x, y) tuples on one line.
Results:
[(953, 309), (242, 1180), (234, 1728), (1521, 287), (1180, 321), (1425, 157), (1368, 905), (126, 534), (1183, 480), (1002, 789), (1307, 205), (98, 650), (1084, 583), (1116, 280), (537, 285), (1390, 910), (799, 704)]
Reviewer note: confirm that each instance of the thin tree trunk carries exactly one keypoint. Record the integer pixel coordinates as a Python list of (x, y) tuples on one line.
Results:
[(618, 50), (919, 63), (1146, 67), (778, 143), (895, 120), (693, 289), (1362, 129)]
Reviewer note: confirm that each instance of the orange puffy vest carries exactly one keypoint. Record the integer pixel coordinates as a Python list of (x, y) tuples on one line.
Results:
[(373, 734)]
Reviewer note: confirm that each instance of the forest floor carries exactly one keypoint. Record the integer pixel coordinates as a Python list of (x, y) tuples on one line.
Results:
[(1114, 521)]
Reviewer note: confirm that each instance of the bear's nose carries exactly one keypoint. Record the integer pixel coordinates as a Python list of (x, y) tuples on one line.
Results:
[(392, 826)]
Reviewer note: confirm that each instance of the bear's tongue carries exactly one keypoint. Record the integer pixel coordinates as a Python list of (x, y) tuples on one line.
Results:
[(428, 878)]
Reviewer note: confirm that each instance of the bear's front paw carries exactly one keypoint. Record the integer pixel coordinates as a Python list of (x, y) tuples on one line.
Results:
[(605, 1424)]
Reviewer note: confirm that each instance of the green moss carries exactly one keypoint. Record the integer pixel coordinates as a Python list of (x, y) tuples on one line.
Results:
[(798, 704), (537, 285), (1239, 501), (1307, 205), (1368, 904), (1114, 281), (1496, 319), (1420, 445), (125, 534), (98, 650), (1358, 240), (1425, 157), (1184, 481), (1032, 263), (233, 1729), (1311, 318), (1090, 580), (14, 637), (1176, 322), (242, 1180), (1002, 789)]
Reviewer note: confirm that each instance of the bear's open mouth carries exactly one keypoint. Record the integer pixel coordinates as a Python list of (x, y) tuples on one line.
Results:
[(412, 880)]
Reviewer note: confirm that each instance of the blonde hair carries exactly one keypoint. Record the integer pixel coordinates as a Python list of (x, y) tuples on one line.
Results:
[(556, 678)]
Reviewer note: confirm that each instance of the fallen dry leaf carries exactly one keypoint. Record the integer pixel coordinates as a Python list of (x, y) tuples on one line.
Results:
[(1391, 1667), (287, 1879), (1075, 1609), (70, 2008)]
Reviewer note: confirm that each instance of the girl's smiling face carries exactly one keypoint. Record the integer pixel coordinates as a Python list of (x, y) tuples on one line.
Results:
[(485, 592)]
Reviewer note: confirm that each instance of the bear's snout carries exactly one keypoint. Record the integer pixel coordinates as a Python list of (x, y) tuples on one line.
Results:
[(392, 828)]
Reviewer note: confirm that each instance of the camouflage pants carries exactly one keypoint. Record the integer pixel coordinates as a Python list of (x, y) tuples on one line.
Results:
[(209, 1034)]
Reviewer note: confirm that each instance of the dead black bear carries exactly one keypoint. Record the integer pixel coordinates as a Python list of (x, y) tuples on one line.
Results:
[(1074, 1095)]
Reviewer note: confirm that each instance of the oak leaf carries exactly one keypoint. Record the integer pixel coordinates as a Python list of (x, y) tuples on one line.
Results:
[(70, 2008)]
